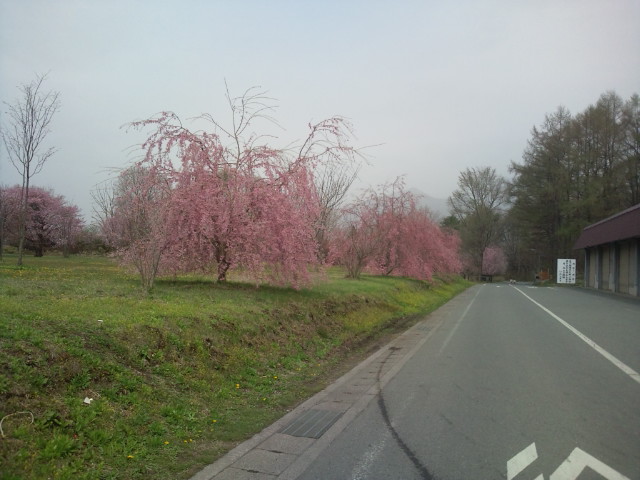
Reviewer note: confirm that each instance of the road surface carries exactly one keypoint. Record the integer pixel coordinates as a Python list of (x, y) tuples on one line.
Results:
[(516, 382)]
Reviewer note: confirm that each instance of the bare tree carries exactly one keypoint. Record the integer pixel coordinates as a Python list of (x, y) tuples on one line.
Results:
[(337, 164), (477, 204), (478, 189), (332, 184), (253, 105), (29, 120), (104, 201)]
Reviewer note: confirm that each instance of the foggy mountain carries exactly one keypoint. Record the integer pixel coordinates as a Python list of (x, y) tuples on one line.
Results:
[(438, 206)]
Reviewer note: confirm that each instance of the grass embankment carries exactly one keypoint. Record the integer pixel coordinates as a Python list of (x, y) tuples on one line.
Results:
[(178, 376)]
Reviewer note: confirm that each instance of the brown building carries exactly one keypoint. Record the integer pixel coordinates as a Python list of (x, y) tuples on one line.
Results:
[(612, 253)]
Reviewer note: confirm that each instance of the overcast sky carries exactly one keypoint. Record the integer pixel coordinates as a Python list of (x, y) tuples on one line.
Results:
[(439, 85)]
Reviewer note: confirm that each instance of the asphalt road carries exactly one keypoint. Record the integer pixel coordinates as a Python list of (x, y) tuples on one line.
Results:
[(510, 385)]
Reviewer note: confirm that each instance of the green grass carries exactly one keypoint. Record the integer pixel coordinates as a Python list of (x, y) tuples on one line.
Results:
[(178, 376)]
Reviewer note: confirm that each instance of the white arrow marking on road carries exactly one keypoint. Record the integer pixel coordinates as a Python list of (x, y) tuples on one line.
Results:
[(521, 461), (573, 466)]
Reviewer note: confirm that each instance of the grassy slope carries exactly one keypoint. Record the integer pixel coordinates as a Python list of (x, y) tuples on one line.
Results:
[(177, 377)]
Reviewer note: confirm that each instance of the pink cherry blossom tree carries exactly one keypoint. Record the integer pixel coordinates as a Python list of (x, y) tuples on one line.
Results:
[(236, 202), (9, 211), (357, 239), (386, 233), (494, 261), (69, 228), (50, 221), (137, 230)]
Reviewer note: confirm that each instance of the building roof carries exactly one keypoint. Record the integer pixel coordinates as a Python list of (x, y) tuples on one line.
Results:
[(621, 226)]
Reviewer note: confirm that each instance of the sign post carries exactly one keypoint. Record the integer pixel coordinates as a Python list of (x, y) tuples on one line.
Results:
[(566, 270)]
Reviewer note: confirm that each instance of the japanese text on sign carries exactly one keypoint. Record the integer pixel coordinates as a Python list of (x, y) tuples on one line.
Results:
[(566, 270)]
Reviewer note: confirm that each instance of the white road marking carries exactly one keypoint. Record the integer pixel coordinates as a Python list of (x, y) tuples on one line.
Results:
[(455, 327), (363, 469), (573, 466), (521, 461), (622, 366)]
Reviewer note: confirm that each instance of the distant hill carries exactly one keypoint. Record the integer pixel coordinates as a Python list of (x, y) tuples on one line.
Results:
[(438, 206)]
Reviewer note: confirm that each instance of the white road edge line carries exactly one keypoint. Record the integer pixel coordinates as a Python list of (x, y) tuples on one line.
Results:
[(455, 327), (622, 366), (521, 461)]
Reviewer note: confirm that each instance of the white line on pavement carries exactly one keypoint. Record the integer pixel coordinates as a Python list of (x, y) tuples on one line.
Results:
[(363, 469), (622, 366), (521, 461)]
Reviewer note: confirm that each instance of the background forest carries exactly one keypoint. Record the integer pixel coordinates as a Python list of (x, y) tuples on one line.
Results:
[(575, 170)]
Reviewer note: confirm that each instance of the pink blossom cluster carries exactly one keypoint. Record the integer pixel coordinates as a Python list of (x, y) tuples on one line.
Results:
[(198, 205), (384, 232), (50, 222), (494, 261)]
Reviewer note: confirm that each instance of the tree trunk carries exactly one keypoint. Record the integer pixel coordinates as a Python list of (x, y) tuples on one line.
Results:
[(23, 218), (223, 266), (21, 242), (221, 259)]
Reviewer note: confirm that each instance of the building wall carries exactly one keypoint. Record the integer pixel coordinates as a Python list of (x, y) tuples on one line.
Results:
[(615, 267), (605, 266), (634, 268), (591, 279), (624, 265)]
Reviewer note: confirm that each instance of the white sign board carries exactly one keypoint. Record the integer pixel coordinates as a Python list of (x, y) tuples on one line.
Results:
[(566, 270)]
